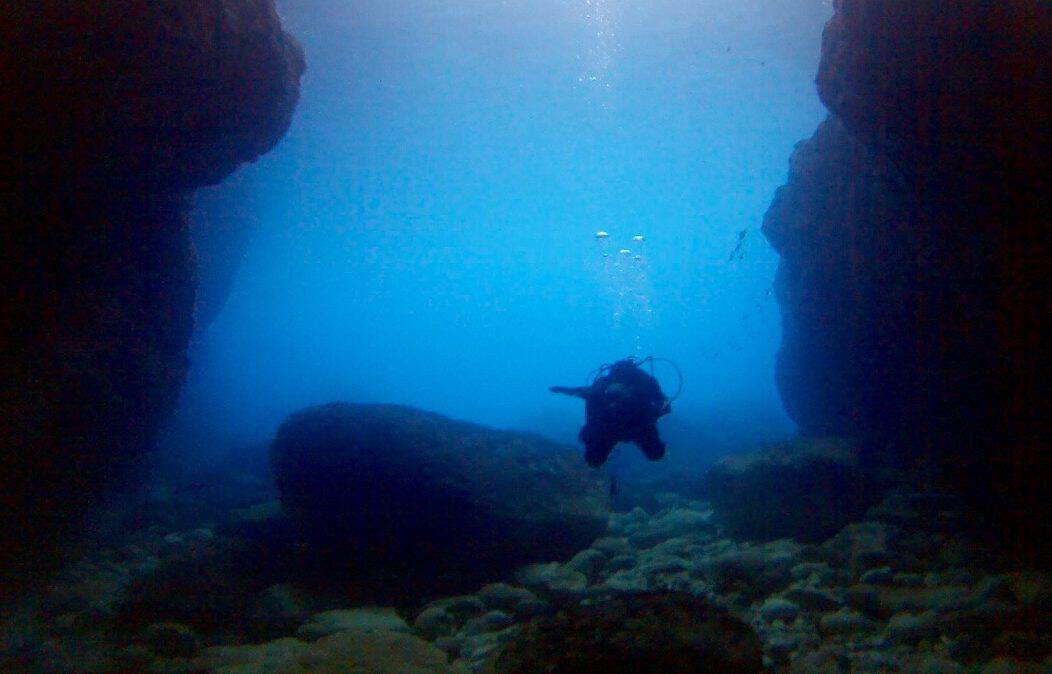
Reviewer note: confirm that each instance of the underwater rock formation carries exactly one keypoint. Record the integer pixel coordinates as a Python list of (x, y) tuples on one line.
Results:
[(424, 503), (912, 282), (807, 490), (111, 113), (655, 632)]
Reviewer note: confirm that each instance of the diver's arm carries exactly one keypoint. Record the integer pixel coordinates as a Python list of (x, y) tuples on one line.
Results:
[(576, 391)]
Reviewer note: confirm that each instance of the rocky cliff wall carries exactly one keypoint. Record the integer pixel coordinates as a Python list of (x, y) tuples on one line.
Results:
[(112, 112), (913, 282)]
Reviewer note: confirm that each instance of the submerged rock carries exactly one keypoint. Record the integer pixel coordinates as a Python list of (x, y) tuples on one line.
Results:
[(418, 502), (662, 632), (805, 490), (777, 608), (278, 610), (504, 597), (171, 640), (846, 622), (494, 621), (909, 628), (353, 652), (554, 578), (341, 620)]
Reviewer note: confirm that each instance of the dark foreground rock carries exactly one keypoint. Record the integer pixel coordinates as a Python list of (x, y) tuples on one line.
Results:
[(805, 490), (650, 632), (111, 113), (420, 503)]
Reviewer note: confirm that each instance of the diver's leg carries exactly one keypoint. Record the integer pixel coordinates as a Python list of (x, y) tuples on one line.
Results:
[(597, 450), (650, 442)]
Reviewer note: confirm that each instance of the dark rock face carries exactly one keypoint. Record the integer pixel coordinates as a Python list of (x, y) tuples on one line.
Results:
[(913, 281), (831, 276), (807, 490), (427, 504), (111, 113), (641, 633)]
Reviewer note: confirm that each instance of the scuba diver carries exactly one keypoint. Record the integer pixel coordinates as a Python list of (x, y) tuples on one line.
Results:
[(622, 404)]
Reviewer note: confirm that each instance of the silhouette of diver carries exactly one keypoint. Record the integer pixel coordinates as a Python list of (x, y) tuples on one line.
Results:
[(623, 404)]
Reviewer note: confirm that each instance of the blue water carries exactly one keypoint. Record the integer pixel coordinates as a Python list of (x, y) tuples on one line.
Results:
[(427, 228)]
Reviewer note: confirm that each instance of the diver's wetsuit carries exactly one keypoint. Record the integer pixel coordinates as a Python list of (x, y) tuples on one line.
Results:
[(622, 405)]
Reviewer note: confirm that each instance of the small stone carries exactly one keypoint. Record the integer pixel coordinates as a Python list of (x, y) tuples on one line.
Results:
[(777, 608), (278, 610), (780, 645), (613, 546), (531, 608), (621, 523), (553, 577), (625, 582), (433, 622), (362, 619), (1031, 588), (67, 622), (946, 598), (845, 622), (200, 535), (503, 596), (493, 621), (659, 565), (864, 598), (133, 658), (908, 579), (621, 563), (819, 571), (991, 587), (171, 640), (966, 648), (881, 576), (929, 663), (1008, 666), (684, 547), (461, 607), (261, 512), (1023, 645), (451, 644), (478, 648), (910, 629), (369, 651), (588, 562), (812, 598), (672, 524), (667, 499)]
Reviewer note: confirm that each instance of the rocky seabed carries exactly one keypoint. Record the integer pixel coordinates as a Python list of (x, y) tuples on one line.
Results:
[(890, 593)]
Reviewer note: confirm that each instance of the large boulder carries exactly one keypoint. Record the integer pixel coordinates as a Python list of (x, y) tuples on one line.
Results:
[(807, 490), (913, 281), (348, 652), (112, 112), (650, 632), (416, 501)]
